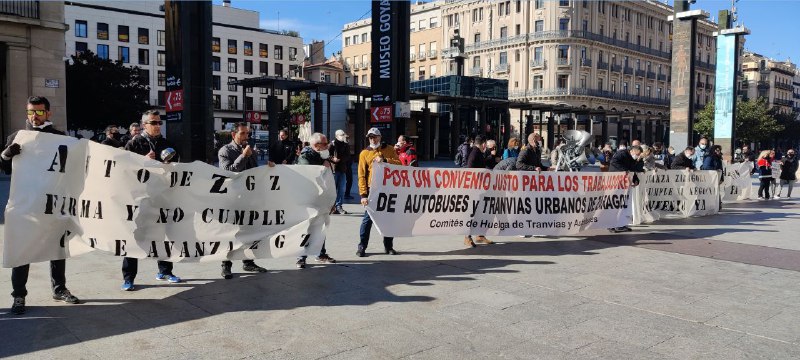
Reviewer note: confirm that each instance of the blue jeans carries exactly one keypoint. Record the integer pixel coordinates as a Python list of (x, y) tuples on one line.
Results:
[(341, 181), (366, 226)]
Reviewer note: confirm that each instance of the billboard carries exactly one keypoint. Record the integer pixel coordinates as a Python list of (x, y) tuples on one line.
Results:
[(724, 94)]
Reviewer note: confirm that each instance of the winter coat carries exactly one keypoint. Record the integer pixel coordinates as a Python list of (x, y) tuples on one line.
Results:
[(5, 165)]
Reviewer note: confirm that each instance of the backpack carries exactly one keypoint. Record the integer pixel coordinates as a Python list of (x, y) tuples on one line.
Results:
[(461, 155)]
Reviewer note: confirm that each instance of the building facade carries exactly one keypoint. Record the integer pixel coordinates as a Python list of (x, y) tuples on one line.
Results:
[(31, 61), (133, 32), (770, 79)]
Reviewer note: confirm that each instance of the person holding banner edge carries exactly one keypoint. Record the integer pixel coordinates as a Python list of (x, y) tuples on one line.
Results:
[(625, 160), (239, 156), (478, 158), (149, 143), (375, 152), (316, 153), (38, 112)]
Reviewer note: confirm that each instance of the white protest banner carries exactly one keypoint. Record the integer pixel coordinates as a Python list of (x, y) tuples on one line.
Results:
[(410, 201), (72, 196), (675, 194), (737, 184)]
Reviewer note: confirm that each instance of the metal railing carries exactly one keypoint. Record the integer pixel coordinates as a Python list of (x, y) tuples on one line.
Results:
[(651, 75), (451, 52), (783, 86), (640, 73), (412, 57), (586, 62), (616, 68), (476, 71), (501, 68), (432, 54), (495, 42), (535, 63), (564, 62), (701, 84), (627, 71), (27, 9), (782, 102), (662, 77), (588, 92), (706, 66), (602, 65), (763, 85)]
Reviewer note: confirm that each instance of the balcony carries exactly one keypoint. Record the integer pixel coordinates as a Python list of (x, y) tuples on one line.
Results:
[(796, 96), (476, 71), (365, 65), (763, 85), (640, 73), (700, 85), (422, 55), (616, 68), (26, 9), (412, 57), (580, 34), (501, 68), (451, 52), (662, 77), (538, 63), (588, 92), (586, 62), (783, 86), (651, 75), (627, 71), (781, 102), (602, 65), (706, 66), (564, 62), (432, 54), (480, 45)]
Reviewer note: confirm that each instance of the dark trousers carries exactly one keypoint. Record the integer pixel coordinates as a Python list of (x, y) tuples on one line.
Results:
[(766, 183), (366, 226), (321, 252), (228, 263), (19, 277), (349, 178), (130, 266)]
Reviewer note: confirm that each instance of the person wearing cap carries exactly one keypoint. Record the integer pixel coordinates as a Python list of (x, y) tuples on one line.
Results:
[(340, 157), (375, 152)]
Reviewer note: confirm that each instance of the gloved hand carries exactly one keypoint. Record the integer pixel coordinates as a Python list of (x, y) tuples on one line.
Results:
[(11, 151)]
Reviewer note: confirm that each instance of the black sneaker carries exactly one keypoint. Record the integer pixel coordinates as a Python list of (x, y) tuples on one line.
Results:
[(252, 267), (390, 251), (325, 259), (341, 211), (301, 264), (18, 308), (66, 297), (226, 272)]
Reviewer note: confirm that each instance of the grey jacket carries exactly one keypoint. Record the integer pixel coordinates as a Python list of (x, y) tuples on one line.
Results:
[(231, 158)]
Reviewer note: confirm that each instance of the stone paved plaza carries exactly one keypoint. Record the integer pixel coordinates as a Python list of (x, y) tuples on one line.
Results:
[(719, 287)]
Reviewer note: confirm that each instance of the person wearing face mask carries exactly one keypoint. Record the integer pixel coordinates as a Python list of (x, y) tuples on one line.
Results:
[(684, 160), (316, 153), (133, 130), (238, 156), (491, 155), (112, 137), (477, 160), (512, 150), (38, 112), (788, 174), (374, 153), (625, 160), (764, 164), (700, 152), (530, 157), (340, 157)]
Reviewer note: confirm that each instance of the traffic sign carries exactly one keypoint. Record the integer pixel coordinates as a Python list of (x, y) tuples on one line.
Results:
[(381, 114), (253, 117), (174, 100)]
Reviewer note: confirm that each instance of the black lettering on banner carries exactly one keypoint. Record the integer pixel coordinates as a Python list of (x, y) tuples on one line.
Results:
[(120, 248), (168, 247), (238, 217), (274, 180), (185, 178), (109, 164), (279, 241), (250, 183), (131, 209), (177, 215), (143, 175), (217, 187), (64, 237), (86, 170), (304, 243), (92, 242), (199, 249), (185, 249), (48, 206), (73, 205), (60, 159), (386, 203), (255, 245), (153, 250), (214, 247)]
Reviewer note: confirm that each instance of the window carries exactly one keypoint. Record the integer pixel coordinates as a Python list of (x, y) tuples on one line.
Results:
[(144, 36), (625, 88), (563, 52), (658, 93), (248, 67), (216, 82), (80, 28), (231, 80), (364, 80), (503, 58), (434, 22), (433, 71), (248, 48), (248, 102), (517, 30), (102, 51), (264, 91), (562, 81), (648, 92), (421, 50), (638, 90), (144, 57), (161, 98), (292, 54), (432, 48), (102, 31), (123, 34), (613, 86), (516, 56), (583, 82), (232, 46), (411, 73), (144, 76), (364, 37), (422, 26), (162, 78), (519, 6), (262, 102), (563, 2), (215, 66), (232, 102), (421, 73), (263, 68), (504, 32), (583, 52), (476, 62), (278, 52), (477, 38), (537, 54), (602, 30), (538, 81), (80, 47), (278, 69), (216, 101), (232, 65), (585, 24), (161, 58), (538, 26), (215, 44), (600, 84), (162, 39), (539, 4), (563, 24), (263, 50), (501, 8)]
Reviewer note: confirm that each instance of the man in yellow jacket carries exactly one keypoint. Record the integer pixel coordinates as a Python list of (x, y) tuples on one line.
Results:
[(375, 152)]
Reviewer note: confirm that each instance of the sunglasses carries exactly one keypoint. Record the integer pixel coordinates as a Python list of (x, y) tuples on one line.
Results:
[(159, 122), (37, 112)]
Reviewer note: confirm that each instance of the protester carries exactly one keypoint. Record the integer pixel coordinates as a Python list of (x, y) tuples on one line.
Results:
[(670, 157), (375, 152), (512, 150), (38, 112), (554, 155), (530, 157), (764, 164), (491, 154), (149, 143), (684, 160), (316, 153), (463, 151), (508, 164), (788, 174), (238, 156), (133, 130), (714, 160), (340, 158), (648, 160), (625, 160), (776, 167), (606, 153), (406, 152), (112, 137), (477, 160), (700, 152), (284, 150), (661, 155)]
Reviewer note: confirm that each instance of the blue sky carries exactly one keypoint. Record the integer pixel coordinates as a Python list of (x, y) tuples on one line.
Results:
[(774, 24)]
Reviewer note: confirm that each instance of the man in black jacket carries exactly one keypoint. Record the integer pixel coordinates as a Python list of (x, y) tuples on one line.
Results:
[(341, 158), (625, 160), (283, 151), (149, 143), (239, 156), (684, 160), (112, 137), (133, 130), (316, 153), (477, 160), (38, 111), (530, 158)]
